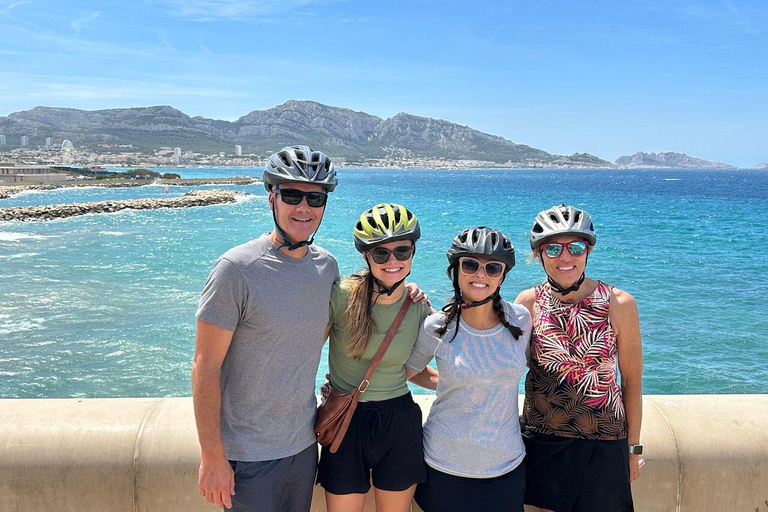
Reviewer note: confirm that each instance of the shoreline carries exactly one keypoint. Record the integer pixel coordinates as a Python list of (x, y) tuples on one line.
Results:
[(9, 189)]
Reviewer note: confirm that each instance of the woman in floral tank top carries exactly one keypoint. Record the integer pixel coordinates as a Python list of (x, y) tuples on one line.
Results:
[(580, 422)]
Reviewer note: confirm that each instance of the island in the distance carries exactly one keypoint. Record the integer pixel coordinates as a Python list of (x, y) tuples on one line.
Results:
[(668, 160), (761, 166)]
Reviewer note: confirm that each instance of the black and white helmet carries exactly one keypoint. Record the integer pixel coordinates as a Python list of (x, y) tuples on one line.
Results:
[(300, 164), (562, 220), (482, 241)]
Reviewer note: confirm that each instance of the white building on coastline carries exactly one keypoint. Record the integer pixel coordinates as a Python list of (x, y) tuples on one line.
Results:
[(24, 140), (29, 173), (238, 150), (2, 140)]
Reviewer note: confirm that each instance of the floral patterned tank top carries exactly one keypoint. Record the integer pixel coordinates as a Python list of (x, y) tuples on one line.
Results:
[(572, 388)]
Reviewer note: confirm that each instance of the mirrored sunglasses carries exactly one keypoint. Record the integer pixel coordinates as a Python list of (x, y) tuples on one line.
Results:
[(555, 249), (293, 197), (471, 266), (381, 255)]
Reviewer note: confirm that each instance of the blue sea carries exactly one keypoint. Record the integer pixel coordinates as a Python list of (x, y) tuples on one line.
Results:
[(103, 305)]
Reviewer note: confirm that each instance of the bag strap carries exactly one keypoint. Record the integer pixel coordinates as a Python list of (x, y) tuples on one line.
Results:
[(385, 344)]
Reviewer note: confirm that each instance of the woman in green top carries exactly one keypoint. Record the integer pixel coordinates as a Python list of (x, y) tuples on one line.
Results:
[(383, 442)]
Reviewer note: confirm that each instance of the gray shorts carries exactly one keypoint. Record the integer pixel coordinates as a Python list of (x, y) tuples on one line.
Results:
[(281, 485)]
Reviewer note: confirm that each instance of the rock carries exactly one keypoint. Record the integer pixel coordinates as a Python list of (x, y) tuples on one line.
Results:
[(47, 212)]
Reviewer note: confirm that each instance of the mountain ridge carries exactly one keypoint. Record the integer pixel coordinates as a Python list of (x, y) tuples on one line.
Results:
[(357, 137), (668, 160)]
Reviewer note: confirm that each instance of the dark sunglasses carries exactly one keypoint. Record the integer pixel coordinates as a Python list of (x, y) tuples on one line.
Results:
[(381, 255), (293, 197), (471, 266), (555, 249)]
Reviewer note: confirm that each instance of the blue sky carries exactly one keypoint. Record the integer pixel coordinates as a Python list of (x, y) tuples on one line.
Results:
[(604, 77)]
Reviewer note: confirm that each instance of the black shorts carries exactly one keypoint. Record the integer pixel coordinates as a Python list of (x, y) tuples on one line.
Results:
[(383, 441), (577, 475), (448, 493)]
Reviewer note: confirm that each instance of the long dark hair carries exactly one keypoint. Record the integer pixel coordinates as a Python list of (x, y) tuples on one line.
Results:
[(452, 310)]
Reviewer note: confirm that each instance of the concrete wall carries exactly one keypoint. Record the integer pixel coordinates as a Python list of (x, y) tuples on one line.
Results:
[(704, 453)]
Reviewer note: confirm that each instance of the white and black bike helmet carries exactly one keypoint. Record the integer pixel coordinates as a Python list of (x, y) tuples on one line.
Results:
[(562, 220), (300, 164)]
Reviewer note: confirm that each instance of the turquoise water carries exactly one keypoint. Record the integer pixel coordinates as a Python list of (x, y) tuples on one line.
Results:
[(103, 305)]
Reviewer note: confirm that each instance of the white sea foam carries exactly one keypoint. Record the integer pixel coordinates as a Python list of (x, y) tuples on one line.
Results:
[(112, 233), (10, 327), (245, 198), (671, 179), (17, 256), (15, 237)]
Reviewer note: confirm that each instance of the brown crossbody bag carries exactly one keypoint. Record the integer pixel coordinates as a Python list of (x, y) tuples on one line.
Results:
[(336, 410)]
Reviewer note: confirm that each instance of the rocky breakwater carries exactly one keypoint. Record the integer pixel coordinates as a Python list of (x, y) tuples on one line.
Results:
[(60, 211)]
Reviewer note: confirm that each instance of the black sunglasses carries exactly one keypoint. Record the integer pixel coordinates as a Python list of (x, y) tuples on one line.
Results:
[(293, 197), (381, 255)]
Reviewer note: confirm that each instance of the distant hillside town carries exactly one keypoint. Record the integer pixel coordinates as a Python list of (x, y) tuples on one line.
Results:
[(163, 136)]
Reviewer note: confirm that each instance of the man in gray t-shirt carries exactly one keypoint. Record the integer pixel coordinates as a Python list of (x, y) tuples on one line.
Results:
[(260, 326)]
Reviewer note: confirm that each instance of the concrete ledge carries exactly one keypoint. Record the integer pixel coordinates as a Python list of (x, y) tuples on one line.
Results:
[(704, 453)]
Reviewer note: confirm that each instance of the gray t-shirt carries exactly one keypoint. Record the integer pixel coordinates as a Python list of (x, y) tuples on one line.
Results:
[(473, 428), (277, 307)]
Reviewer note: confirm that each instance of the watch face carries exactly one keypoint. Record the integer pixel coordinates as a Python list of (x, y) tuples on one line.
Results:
[(636, 449)]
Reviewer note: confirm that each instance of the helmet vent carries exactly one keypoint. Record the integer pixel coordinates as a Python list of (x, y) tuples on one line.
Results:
[(284, 158), (300, 155), (553, 217), (576, 217), (537, 228)]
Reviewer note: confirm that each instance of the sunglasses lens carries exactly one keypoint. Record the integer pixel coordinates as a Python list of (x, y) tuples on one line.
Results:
[(380, 256), (403, 252), (290, 196), (293, 197), (469, 266), (316, 199), (493, 269), (577, 248), (553, 250)]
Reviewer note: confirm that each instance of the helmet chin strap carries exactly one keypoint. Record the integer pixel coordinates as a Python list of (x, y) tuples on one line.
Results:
[(291, 246), (380, 288), (467, 305), (557, 287), (565, 291)]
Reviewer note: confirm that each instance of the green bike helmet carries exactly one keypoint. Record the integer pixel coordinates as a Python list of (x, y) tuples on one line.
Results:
[(385, 222)]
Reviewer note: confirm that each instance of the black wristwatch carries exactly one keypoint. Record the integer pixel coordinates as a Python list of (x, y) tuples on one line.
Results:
[(636, 449)]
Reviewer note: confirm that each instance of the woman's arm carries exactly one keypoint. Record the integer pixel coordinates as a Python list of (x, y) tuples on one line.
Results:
[(527, 298), (426, 378), (626, 323)]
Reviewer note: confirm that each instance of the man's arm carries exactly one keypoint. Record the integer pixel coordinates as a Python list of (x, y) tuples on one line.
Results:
[(216, 480)]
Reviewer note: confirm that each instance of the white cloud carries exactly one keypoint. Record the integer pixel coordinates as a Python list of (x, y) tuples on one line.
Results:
[(8, 8), (66, 90), (78, 24), (233, 10)]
